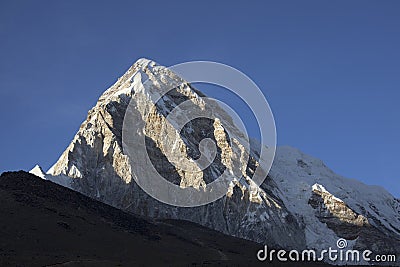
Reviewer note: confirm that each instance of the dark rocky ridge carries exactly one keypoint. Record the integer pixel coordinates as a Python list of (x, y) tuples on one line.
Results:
[(44, 224)]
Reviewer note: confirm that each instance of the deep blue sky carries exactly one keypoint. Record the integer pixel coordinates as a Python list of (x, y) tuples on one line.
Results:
[(329, 69)]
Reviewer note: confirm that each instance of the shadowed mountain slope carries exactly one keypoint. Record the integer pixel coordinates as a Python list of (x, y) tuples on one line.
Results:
[(44, 224)]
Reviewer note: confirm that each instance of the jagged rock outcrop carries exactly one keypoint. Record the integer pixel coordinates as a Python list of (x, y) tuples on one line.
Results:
[(285, 211), (347, 223), (333, 210)]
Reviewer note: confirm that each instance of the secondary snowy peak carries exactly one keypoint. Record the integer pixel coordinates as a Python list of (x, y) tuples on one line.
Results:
[(303, 173), (37, 170), (62, 180), (330, 203)]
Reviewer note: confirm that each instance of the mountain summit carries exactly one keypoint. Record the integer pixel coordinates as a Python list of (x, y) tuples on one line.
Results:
[(301, 204)]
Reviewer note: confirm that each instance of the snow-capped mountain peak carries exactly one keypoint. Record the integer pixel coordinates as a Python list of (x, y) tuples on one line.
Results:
[(302, 203)]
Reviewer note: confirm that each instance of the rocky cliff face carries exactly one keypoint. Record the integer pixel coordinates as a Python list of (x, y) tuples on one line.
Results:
[(100, 168), (284, 211)]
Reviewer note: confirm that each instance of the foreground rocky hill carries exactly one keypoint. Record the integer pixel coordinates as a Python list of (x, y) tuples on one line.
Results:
[(44, 224)]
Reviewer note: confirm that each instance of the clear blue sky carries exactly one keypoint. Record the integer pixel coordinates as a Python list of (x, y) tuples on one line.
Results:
[(329, 69)]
